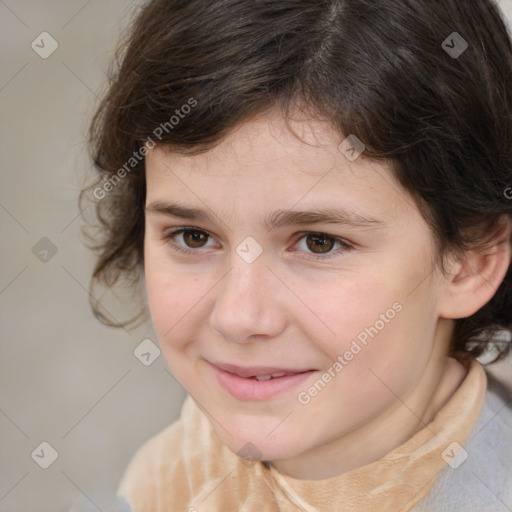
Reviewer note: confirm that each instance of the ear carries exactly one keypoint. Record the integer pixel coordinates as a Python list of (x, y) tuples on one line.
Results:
[(473, 278)]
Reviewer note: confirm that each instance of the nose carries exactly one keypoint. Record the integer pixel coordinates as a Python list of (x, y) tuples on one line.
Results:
[(247, 305)]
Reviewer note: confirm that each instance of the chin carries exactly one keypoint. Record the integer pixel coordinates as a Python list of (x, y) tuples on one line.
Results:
[(253, 442)]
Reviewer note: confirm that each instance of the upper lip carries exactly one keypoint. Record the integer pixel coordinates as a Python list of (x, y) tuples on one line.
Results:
[(255, 371)]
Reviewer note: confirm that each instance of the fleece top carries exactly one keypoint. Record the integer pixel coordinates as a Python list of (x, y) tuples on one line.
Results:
[(461, 460)]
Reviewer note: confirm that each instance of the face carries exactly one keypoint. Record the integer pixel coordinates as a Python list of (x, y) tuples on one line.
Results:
[(341, 298)]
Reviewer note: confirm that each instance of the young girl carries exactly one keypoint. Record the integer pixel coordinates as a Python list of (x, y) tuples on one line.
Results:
[(318, 197)]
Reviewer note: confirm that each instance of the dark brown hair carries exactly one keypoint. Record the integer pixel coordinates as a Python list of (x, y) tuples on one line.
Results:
[(394, 74)]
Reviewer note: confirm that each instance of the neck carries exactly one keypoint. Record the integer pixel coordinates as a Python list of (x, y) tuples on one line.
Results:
[(392, 427)]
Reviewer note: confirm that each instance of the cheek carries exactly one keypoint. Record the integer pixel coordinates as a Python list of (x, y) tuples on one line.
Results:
[(175, 298), (373, 330), (389, 360), (350, 308)]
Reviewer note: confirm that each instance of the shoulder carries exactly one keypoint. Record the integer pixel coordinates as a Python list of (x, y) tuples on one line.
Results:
[(157, 461), (483, 481), (178, 468)]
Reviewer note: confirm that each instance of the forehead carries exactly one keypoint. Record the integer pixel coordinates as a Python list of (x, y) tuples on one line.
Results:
[(265, 164), (265, 142)]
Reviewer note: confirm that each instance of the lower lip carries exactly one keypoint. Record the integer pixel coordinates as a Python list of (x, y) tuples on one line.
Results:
[(253, 389)]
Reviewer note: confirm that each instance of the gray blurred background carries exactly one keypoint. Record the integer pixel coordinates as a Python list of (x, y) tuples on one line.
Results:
[(65, 379)]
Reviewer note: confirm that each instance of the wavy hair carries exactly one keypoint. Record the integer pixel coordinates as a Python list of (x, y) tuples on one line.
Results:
[(425, 84)]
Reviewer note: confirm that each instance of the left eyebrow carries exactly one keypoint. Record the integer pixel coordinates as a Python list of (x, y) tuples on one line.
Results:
[(341, 216), (278, 218)]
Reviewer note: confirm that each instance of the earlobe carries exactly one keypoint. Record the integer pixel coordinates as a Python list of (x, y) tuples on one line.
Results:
[(473, 278)]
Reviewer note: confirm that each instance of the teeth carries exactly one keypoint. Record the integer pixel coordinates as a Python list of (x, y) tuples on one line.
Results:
[(273, 376)]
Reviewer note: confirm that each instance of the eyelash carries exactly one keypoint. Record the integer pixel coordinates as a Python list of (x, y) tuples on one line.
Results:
[(168, 236)]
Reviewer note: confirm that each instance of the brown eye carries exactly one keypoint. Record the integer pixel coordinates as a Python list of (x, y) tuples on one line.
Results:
[(194, 239), (321, 247), (319, 243), (188, 240)]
